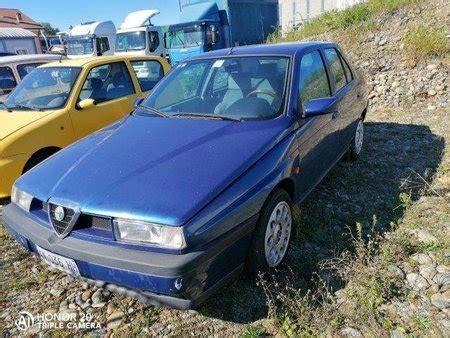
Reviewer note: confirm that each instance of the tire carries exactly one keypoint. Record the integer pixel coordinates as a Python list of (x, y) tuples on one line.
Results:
[(32, 162), (357, 142), (263, 256)]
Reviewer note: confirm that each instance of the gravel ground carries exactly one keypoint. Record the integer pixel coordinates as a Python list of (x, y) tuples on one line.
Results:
[(407, 135)]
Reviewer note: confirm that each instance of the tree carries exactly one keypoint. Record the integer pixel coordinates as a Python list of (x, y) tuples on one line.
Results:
[(48, 29)]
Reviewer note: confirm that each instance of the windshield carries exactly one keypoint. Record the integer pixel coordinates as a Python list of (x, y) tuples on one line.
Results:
[(44, 88), (186, 38), (80, 46), (244, 88), (130, 41)]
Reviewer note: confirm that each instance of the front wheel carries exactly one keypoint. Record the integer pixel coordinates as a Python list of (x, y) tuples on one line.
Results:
[(357, 143), (272, 235)]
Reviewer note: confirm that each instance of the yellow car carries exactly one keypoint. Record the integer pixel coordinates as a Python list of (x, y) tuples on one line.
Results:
[(61, 102)]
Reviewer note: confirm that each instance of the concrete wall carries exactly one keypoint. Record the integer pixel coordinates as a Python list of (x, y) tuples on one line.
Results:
[(295, 12)]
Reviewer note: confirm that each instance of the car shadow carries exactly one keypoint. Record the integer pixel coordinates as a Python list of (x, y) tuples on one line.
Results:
[(366, 191)]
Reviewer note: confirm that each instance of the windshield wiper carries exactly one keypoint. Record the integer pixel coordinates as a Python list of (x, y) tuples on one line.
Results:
[(19, 106), (208, 116), (153, 110)]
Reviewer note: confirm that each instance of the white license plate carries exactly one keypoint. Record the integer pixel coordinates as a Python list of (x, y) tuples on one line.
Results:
[(67, 265)]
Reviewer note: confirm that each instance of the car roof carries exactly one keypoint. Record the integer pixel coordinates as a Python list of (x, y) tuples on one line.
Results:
[(93, 60), (28, 57), (289, 49)]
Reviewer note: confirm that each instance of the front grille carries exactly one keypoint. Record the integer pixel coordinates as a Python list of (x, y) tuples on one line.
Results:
[(61, 225), (84, 221), (89, 221)]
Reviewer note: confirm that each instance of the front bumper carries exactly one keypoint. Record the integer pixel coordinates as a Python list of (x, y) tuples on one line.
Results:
[(10, 170), (149, 276)]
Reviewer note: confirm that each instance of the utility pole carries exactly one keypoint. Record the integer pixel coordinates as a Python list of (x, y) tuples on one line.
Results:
[(179, 4)]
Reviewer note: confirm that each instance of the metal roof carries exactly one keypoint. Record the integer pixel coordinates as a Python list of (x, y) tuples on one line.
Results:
[(7, 32)]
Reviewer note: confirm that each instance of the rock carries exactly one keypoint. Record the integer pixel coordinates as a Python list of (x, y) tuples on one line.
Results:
[(110, 308), (396, 270), (397, 334), (441, 300), (428, 271), (395, 84), (431, 67), (86, 295), (422, 259), (56, 292), (416, 281), (382, 42), (97, 298), (442, 269), (431, 92), (425, 237), (350, 332), (64, 305), (114, 320), (442, 279), (32, 330)]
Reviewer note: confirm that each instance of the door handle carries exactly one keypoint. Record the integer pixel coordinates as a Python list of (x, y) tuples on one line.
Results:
[(335, 115)]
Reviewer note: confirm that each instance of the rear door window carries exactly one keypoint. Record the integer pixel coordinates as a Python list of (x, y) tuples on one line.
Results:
[(7, 80), (348, 71), (337, 70), (314, 82), (107, 82), (148, 73), (25, 68)]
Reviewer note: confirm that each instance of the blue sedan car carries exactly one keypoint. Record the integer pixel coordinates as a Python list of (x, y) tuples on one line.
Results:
[(200, 180)]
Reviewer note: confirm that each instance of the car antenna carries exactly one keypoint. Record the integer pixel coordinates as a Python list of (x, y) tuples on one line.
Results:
[(60, 58)]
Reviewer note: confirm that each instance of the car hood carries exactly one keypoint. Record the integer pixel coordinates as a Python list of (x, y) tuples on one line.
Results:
[(162, 170), (16, 120)]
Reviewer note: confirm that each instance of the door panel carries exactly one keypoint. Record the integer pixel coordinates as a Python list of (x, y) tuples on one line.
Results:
[(111, 88), (316, 136)]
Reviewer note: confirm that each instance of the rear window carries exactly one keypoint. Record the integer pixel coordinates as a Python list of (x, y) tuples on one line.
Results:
[(7, 80), (148, 73), (26, 68)]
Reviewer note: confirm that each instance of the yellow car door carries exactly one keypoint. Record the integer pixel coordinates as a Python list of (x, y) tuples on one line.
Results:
[(148, 73), (107, 94)]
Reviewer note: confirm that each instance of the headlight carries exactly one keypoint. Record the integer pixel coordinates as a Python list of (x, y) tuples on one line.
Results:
[(137, 231), (21, 198)]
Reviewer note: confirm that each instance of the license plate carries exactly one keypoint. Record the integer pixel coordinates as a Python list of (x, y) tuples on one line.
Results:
[(67, 265)]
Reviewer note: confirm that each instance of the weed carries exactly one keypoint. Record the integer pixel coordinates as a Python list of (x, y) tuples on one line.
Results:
[(423, 42), (252, 332)]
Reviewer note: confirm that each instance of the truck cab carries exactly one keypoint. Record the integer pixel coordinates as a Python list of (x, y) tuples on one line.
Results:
[(92, 39), (138, 36), (189, 39), (207, 25)]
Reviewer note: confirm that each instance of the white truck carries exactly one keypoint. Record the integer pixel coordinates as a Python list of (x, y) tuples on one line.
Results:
[(92, 39), (137, 35)]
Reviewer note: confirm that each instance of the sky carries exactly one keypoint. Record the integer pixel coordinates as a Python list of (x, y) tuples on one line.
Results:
[(62, 14)]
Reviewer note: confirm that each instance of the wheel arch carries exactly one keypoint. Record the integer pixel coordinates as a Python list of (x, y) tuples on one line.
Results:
[(39, 156)]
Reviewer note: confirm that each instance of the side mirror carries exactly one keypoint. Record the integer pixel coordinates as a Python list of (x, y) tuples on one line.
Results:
[(320, 106), (137, 102), (86, 103)]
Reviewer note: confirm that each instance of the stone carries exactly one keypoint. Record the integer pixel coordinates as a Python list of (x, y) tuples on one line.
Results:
[(442, 279), (431, 67), (56, 292), (110, 308), (428, 271), (431, 92), (382, 42), (425, 237), (86, 295), (396, 270), (350, 332), (397, 334), (442, 268), (114, 320), (441, 300), (416, 281), (422, 259)]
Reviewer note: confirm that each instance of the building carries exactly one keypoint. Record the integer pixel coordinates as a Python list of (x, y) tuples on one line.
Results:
[(296, 12), (13, 23)]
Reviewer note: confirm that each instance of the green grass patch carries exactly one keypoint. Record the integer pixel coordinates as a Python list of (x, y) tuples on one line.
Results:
[(424, 42), (359, 16)]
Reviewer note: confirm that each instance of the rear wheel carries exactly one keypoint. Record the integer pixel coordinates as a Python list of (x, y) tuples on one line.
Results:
[(357, 143), (272, 235)]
